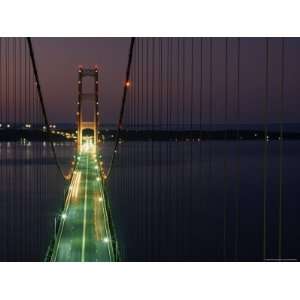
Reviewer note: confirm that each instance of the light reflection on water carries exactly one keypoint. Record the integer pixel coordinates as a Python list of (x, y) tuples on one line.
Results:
[(165, 206), (31, 190)]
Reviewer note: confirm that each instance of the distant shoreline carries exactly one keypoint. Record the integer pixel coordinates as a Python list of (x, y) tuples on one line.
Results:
[(14, 135)]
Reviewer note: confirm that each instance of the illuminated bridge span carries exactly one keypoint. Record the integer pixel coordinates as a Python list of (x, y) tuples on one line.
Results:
[(84, 233), (80, 227), (202, 164)]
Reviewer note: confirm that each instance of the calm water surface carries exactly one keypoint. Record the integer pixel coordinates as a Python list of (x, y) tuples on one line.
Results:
[(169, 204), (167, 200)]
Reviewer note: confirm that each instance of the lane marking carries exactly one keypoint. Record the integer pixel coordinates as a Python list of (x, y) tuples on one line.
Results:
[(76, 186), (85, 207)]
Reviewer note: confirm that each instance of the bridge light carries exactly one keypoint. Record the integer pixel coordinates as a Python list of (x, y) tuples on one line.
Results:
[(79, 82), (100, 199), (98, 178), (0, 125), (64, 216), (96, 167), (127, 83), (8, 125), (106, 240)]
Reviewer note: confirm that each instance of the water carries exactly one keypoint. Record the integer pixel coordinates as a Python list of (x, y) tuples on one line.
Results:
[(32, 192), (167, 200)]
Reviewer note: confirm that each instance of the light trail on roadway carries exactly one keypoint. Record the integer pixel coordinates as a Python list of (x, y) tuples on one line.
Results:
[(84, 231)]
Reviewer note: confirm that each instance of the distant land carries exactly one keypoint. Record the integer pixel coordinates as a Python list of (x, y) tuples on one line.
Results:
[(67, 132), (288, 127)]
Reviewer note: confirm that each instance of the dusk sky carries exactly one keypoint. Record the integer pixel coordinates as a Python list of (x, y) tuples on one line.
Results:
[(58, 60)]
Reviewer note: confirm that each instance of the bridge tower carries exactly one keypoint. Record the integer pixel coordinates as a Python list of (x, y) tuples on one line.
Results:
[(93, 98)]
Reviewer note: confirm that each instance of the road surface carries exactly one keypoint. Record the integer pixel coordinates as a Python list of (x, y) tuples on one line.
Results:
[(84, 232)]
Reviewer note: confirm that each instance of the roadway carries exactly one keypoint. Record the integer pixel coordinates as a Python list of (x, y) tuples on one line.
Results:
[(84, 232)]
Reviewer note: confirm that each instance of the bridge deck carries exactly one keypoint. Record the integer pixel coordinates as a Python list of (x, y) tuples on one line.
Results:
[(84, 232)]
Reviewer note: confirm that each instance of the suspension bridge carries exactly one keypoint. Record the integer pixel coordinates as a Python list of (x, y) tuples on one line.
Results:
[(195, 168), (84, 233)]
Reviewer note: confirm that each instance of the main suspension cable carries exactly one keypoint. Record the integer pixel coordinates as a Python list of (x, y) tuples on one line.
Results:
[(120, 122), (41, 99)]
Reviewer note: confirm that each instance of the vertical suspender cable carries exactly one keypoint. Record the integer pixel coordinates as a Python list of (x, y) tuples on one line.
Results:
[(183, 175), (225, 155), (136, 144), (152, 143), (210, 136), (201, 137), (6, 150), (146, 128), (237, 198), (191, 198), (159, 128), (265, 157), (282, 84), (170, 142)]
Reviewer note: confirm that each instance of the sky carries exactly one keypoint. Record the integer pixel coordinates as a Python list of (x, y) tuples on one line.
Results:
[(57, 62)]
